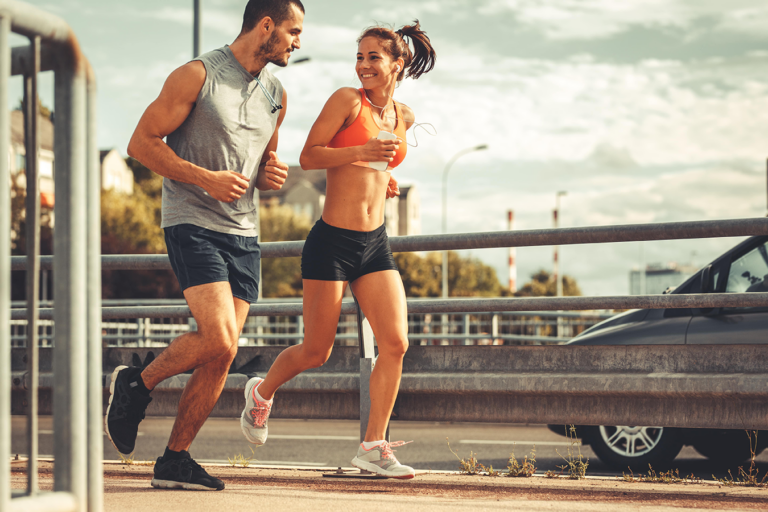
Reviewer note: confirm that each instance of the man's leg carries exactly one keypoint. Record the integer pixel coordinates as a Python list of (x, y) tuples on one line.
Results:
[(210, 351), (203, 390)]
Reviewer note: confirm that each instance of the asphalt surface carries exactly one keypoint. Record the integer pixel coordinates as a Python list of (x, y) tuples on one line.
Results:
[(331, 443)]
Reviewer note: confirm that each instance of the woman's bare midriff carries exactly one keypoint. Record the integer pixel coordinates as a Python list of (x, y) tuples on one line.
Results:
[(355, 197)]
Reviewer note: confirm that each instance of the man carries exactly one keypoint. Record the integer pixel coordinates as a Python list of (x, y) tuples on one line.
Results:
[(220, 113)]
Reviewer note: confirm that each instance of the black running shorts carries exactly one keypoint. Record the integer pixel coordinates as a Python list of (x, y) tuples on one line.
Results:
[(336, 254), (201, 256)]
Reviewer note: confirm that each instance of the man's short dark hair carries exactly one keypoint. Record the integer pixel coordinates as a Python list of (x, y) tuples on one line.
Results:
[(278, 10)]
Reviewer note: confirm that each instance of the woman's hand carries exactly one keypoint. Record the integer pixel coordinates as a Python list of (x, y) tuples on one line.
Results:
[(392, 188), (376, 150)]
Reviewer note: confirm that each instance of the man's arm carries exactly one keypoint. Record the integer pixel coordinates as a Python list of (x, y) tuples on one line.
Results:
[(162, 117), (272, 171)]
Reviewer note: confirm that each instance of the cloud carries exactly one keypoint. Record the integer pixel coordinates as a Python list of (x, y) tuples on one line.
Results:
[(601, 19)]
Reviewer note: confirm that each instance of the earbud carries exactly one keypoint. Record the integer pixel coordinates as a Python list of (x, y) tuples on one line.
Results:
[(397, 69)]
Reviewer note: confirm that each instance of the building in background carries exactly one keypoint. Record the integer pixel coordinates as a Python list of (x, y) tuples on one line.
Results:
[(304, 192), (658, 277), (18, 155), (115, 173)]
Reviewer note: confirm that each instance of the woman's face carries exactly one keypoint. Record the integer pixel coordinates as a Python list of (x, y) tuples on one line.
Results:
[(375, 67)]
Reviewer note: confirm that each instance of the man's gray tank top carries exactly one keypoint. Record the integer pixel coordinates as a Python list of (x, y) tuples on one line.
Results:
[(228, 129)]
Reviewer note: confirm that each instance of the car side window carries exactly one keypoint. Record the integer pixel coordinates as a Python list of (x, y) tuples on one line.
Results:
[(749, 273)]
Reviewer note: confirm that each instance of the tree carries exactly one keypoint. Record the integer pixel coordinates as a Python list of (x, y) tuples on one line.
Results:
[(543, 285), (467, 277), (281, 277), (130, 224)]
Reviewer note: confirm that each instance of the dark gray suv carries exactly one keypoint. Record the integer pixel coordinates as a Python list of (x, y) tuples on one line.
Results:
[(742, 269)]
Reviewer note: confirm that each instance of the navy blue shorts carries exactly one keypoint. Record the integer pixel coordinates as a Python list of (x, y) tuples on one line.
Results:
[(201, 256), (337, 254)]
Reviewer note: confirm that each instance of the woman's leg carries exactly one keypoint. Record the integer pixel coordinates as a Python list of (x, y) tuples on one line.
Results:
[(382, 298), (322, 306)]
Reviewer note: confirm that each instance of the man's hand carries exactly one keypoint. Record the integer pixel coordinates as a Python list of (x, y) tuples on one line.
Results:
[(392, 188), (225, 186), (275, 173)]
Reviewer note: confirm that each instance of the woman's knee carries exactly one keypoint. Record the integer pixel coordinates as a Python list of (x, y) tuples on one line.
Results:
[(315, 359), (396, 347)]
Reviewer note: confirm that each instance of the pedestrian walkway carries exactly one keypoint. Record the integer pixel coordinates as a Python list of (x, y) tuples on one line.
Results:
[(127, 489)]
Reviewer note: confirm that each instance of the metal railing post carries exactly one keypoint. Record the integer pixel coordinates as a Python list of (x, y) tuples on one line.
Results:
[(31, 113), (94, 381), (69, 269), (5, 266), (367, 363)]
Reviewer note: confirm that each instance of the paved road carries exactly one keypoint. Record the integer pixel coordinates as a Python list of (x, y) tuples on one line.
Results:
[(322, 443)]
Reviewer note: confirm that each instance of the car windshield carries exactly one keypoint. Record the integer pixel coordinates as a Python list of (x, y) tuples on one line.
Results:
[(749, 273)]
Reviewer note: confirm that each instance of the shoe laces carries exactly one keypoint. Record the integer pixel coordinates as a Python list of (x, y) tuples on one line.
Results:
[(260, 412), (386, 448)]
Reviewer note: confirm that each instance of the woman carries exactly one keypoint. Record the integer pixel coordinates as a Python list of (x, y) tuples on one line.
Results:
[(349, 243)]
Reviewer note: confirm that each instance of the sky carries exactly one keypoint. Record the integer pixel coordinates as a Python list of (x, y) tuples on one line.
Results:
[(641, 110)]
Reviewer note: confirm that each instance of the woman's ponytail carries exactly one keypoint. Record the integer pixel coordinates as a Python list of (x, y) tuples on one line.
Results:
[(422, 59), (398, 44)]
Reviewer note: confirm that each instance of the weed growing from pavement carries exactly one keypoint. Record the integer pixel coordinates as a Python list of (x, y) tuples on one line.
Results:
[(553, 474), (471, 466), (241, 460), (526, 469), (750, 477), (665, 477), (575, 463), (128, 460)]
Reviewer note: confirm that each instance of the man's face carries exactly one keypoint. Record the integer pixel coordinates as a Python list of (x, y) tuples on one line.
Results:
[(284, 39)]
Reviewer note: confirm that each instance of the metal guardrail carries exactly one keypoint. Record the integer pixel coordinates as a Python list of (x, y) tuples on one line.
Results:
[(718, 386), (77, 436)]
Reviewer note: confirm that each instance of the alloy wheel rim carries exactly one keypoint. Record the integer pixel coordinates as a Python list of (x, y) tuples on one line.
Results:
[(630, 441)]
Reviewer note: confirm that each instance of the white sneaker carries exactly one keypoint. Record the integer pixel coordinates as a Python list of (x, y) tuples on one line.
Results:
[(253, 421), (381, 460)]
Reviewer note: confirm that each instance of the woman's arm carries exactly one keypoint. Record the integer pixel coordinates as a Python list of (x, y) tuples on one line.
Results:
[(335, 115)]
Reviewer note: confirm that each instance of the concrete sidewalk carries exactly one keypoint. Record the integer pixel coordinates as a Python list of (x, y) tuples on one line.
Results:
[(127, 489)]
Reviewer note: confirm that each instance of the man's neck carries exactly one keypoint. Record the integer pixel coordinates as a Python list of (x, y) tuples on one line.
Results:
[(252, 63)]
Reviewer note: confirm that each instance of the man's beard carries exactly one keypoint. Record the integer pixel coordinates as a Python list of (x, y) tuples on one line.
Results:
[(269, 51)]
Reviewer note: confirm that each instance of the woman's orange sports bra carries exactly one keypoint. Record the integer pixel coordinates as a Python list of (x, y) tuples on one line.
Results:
[(364, 127)]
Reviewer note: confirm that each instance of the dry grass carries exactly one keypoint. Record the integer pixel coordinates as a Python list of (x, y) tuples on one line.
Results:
[(575, 463)]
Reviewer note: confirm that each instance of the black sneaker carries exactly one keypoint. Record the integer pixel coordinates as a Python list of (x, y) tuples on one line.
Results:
[(183, 473), (125, 410)]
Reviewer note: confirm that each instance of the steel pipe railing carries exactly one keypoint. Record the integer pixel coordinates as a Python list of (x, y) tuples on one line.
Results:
[(489, 240), (55, 47)]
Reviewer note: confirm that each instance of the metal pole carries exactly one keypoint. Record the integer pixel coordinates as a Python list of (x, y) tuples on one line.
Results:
[(69, 269), (31, 140), (5, 266), (94, 370), (196, 30)]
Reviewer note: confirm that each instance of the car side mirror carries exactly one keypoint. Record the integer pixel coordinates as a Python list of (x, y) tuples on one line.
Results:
[(705, 287), (706, 275)]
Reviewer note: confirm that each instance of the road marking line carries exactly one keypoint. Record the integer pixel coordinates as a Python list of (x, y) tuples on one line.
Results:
[(314, 438), (50, 433), (537, 443), (266, 462)]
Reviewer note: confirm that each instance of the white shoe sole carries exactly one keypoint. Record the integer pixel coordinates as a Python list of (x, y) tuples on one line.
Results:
[(109, 405), (170, 484), (244, 425), (373, 468)]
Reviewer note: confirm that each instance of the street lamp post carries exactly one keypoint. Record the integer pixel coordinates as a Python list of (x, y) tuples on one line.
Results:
[(556, 270), (455, 157), (196, 29)]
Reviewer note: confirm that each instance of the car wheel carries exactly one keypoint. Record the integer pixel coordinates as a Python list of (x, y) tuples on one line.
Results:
[(726, 447), (625, 447)]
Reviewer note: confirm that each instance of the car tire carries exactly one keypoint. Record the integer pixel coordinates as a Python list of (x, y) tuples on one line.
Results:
[(634, 448), (725, 447)]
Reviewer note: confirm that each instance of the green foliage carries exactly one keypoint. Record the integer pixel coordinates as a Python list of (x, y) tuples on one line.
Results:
[(543, 285), (467, 277), (281, 277)]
